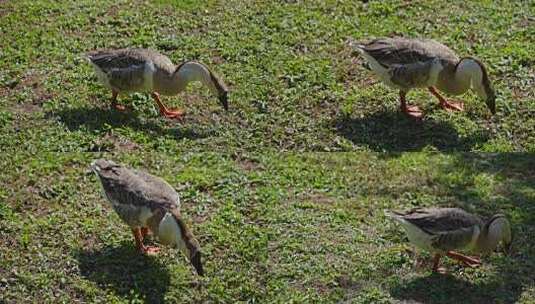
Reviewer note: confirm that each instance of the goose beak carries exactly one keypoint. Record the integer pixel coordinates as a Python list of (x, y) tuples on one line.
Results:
[(197, 264), (223, 99)]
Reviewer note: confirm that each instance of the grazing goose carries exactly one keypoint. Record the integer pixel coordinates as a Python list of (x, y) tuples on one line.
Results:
[(144, 70), (404, 64), (442, 230), (147, 204)]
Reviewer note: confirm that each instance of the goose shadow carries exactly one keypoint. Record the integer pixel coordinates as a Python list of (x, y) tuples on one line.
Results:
[(125, 271), (392, 131), (99, 120), (447, 289)]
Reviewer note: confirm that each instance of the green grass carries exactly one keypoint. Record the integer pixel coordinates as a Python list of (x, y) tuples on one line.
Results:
[(294, 227), (274, 228), (295, 84)]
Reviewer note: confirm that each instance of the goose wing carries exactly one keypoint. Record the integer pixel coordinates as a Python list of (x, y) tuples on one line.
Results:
[(454, 239), (449, 228), (401, 51), (161, 187), (139, 189), (125, 68), (117, 59), (408, 62), (440, 220)]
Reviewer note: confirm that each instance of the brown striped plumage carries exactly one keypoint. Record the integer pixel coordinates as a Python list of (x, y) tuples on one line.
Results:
[(405, 64), (443, 230), (147, 203), (145, 70)]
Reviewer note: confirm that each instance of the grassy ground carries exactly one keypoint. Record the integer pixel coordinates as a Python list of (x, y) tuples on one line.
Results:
[(295, 84), (275, 227), (284, 228)]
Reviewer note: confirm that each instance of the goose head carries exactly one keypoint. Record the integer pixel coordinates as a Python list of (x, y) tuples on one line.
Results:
[(194, 254), (195, 71), (195, 260), (223, 99), (218, 87), (496, 230), (183, 239), (479, 79)]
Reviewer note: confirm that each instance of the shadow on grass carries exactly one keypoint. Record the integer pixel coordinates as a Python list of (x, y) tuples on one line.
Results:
[(391, 131), (464, 179), (445, 289), (97, 119), (126, 272)]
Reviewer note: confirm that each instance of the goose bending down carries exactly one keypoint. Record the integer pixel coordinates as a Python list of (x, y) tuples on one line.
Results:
[(442, 230), (147, 204), (405, 64), (144, 70)]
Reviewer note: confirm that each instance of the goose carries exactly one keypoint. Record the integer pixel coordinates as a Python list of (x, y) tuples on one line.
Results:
[(146, 70), (148, 204), (443, 230), (404, 64)]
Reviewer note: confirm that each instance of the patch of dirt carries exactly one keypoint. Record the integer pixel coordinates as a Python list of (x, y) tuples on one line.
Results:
[(111, 142), (39, 96), (4, 91), (346, 282), (317, 198), (29, 198), (354, 75), (217, 59), (320, 287), (90, 242), (5, 10), (113, 11), (248, 165), (25, 108)]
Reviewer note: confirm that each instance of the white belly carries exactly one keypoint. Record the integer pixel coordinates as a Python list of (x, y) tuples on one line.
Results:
[(436, 68), (148, 77), (169, 233), (418, 237)]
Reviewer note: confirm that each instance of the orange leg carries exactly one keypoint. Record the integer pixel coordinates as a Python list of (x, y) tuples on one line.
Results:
[(411, 111), (468, 261), (145, 231), (138, 237), (446, 105), (114, 103), (436, 262), (164, 111)]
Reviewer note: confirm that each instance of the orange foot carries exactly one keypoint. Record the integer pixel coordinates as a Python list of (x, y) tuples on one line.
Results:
[(452, 106), (466, 260), (412, 111), (118, 107), (172, 113), (150, 250)]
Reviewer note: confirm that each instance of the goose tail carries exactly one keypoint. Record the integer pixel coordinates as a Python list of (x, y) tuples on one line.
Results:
[(356, 45), (395, 215)]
